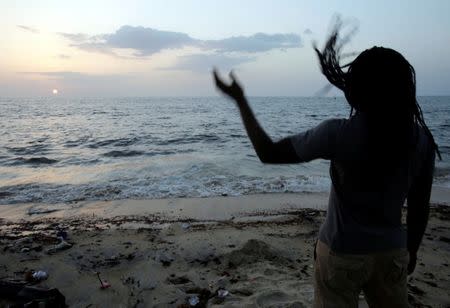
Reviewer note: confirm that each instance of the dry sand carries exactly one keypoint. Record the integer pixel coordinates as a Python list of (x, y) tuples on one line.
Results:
[(162, 253)]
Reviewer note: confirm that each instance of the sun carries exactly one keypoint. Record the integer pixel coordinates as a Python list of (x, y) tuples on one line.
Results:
[(55, 91)]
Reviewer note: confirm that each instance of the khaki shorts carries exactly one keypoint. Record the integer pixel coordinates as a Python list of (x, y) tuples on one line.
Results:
[(340, 278)]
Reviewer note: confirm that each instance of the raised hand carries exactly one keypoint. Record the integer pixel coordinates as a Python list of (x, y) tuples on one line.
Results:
[(234, 90)]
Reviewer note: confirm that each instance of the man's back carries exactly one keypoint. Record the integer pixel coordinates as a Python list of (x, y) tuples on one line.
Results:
[(367, 194)]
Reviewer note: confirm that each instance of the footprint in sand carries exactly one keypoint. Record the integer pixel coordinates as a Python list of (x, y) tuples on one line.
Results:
[(275, 298)]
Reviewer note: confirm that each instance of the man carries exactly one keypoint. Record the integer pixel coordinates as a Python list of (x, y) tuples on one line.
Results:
[(380, 156)]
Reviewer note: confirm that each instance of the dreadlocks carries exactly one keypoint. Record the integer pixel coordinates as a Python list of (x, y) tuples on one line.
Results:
[(379, 79)]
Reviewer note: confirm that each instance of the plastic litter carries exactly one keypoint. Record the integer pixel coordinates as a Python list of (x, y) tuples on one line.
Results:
[(39, 275), (104, 283), (24, 240), (222, 293), (61, 234), (194, 300), (61, 246), (25, 249), (185, 225)]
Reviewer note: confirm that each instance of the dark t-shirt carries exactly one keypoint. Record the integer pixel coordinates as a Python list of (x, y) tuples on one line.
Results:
[(366, 198)]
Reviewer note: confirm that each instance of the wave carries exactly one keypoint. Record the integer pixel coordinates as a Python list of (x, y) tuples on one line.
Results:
[(118, 142), (191, 184), (206, 138), (122, 153), (442, 174), (33, 161), (29, 150), (238, 136), (81, 161), (128, 153), (77, 142), (4, 194)]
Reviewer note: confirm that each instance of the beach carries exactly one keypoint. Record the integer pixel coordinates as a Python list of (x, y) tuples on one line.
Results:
[(187, 153), (245, 251)]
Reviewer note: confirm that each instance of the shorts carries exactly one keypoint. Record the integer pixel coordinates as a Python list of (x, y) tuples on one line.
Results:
[(340, 278)]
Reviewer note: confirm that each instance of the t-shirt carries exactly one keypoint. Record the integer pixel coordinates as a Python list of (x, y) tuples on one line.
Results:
[(366, 198)]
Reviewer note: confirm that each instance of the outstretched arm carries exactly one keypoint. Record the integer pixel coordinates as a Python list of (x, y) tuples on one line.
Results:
[(269, 152)]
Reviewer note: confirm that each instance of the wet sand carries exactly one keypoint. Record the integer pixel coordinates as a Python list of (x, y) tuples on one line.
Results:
[(249, 251)]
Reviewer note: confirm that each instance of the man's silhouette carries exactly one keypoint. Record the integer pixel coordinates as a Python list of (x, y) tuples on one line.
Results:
[(381, 156)]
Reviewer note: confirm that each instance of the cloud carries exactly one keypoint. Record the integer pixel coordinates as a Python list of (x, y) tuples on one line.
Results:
[(259, 42), (70, 75), (77, 77), (307, 31), (29, 29), (60, 74), (75, 37), (63, 56), (148, 41), (204, 62), (96, 47), (94, 43), (144, 41)]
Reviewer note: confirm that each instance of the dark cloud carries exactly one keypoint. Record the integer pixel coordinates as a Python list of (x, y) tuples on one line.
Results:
[(29, 29), (205, 62), (145, 41), (148, 41)]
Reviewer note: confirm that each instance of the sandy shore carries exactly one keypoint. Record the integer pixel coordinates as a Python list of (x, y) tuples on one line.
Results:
[(249, 251)]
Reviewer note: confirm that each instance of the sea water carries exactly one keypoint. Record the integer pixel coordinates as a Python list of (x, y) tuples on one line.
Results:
[(64, 150)]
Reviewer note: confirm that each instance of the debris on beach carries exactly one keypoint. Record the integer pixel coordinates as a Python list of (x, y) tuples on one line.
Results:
[(103, 283), (236, 263), (194, 300), (179, 280), (199, 297), (165, 259), (222, 293), (35, 276), (63, 245), (62, 235), (39, 275), (23, 240)]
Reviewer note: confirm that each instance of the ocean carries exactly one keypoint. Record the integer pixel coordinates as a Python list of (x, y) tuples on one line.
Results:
[(55, 150)]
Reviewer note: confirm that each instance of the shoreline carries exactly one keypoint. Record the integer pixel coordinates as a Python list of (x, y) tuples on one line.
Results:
[(207, 208)]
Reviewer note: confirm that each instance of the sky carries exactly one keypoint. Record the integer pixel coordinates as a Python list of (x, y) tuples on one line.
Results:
[(168, 48)]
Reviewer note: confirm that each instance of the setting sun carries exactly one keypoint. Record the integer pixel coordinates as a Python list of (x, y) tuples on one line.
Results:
[(55, 91)]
